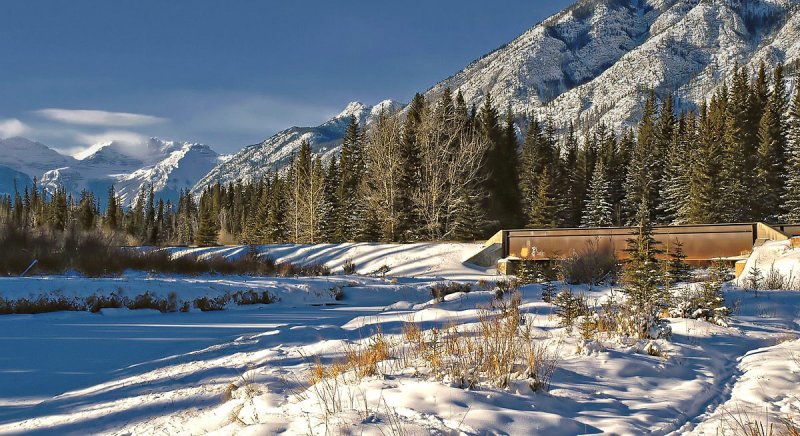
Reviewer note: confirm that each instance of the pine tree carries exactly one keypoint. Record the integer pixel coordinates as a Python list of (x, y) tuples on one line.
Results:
[(736, 170), (410, 162), (704, 205), (770, 167), (640, 183), (351, 167), (494, 170), (543, 210), (642, 279), (675, 183), (678, 270), (330, 210), (535, 166), (207, 226), (574, 180), (111, 210), (86, 211), (598, 209), (791, 200)]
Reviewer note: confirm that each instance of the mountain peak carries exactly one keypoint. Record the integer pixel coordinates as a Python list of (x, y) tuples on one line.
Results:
[(354, 108)]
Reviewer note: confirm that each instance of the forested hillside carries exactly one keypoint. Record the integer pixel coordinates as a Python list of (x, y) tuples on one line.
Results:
[(443, 171)]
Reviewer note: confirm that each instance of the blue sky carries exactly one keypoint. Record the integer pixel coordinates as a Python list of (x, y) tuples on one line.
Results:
[(229, 73)]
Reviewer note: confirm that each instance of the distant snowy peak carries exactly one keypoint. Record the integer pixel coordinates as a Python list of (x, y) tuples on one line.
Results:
[(366, 113), (30, 157), (255, 161), (169, 166)]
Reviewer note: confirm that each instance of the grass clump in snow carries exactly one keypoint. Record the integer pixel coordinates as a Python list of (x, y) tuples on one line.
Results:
[(740, 422), (498, 351)]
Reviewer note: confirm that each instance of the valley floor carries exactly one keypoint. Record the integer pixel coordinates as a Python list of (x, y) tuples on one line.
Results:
[(249, 370)]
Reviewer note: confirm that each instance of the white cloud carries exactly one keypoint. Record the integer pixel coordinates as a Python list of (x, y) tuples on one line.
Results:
[(98, 118), (244, 113), (13, 127)]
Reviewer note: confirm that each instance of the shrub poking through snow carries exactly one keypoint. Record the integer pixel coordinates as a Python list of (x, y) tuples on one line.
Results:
[(569, 307), (349, 268), (775, 280), (441, 290), (549, 291), (211, 304), (505, 287), (497, 351), (250, 297), (592, 265), (705, 300), (381, 272), (337, 292), (43, 304)]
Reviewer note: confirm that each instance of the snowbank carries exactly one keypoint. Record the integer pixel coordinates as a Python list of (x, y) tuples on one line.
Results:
[(445, 260), (777, 255)]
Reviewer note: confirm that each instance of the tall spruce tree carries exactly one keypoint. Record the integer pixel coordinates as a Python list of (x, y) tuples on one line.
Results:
[(410, 167), (675, 182), (598, 211), (770, 166), (111, 210), (791, 200), (494, 177), (642, 278), (207, 226), (640, 183), (543, 212), (351, 169)]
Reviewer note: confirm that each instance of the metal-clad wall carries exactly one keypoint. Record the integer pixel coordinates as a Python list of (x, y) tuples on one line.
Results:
[(700, 242)]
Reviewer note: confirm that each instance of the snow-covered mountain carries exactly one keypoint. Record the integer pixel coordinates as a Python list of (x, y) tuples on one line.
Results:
[(594, 62), (597, 60), (253, 161), (22, 159), (168, 165)]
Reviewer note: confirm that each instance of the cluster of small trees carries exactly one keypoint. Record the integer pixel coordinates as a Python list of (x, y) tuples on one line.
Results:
[(654, 284), (149, 221)]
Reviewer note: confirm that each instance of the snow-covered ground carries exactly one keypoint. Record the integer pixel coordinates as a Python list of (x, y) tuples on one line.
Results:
[(247, 370)]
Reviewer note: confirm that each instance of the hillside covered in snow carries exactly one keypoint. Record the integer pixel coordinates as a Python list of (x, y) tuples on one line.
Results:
[(597, 60), (594, 62), (168, 166), (253, 161)]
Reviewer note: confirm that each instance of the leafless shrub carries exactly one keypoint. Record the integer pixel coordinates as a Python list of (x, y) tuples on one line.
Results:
[(349, 268), (593, 265), (505, 287)]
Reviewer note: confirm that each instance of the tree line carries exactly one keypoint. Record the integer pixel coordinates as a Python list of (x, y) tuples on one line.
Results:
[(440, 170)]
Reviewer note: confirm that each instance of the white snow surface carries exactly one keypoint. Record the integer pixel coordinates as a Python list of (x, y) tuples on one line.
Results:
[(776, 256), (245, 370), (428, 260)]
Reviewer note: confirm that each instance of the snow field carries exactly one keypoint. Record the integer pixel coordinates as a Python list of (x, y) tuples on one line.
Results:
[(283, 368)]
